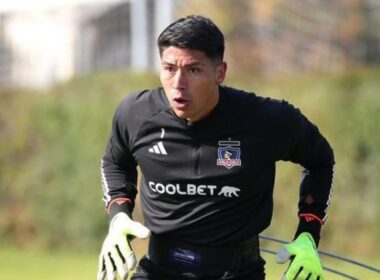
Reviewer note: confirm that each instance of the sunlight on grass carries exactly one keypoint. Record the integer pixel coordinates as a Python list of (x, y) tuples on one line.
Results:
[(19, 264), (23, 264)]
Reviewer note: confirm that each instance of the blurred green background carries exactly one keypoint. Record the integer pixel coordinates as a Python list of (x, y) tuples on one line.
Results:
[(52, 219), (51, 144)]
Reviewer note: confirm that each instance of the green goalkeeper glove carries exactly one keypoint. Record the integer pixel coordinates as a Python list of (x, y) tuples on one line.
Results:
[(117, 254), (305, 262)]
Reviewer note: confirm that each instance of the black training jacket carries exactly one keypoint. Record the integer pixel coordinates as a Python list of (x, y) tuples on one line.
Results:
[(211, 182)]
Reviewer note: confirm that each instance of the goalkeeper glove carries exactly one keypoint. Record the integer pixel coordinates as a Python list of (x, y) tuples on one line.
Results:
[(305, 262), (117, 254)]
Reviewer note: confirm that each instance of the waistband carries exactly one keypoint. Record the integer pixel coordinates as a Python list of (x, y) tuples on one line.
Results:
[(176, 254)]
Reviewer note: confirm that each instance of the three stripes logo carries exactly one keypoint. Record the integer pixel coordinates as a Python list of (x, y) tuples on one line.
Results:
[(309, 218), (159, 148)]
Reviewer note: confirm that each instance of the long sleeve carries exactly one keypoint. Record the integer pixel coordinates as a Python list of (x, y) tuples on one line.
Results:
[(306, 146), (118, 168)]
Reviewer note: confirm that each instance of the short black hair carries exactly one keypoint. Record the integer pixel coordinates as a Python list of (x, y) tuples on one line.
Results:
[(196, 33)]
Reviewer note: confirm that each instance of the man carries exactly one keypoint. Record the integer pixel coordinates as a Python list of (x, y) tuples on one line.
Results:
[(207, 155)]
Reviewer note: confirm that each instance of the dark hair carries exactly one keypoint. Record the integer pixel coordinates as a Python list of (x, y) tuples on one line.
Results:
[(196, 33)]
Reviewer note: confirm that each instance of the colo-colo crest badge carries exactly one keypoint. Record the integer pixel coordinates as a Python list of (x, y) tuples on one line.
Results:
[(229, 154)]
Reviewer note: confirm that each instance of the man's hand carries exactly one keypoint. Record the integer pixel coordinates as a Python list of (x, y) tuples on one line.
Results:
[(117, 254), (305, 262)]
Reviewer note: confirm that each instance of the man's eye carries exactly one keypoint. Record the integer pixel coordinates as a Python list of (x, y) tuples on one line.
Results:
[(169, 68), (194, 70)]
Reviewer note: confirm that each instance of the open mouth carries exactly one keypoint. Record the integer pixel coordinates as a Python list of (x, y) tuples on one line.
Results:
[(180, 103)]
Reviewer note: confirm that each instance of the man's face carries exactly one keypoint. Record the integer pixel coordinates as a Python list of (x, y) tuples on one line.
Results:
[(190, 80)]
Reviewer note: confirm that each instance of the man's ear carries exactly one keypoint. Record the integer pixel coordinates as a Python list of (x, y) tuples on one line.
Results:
[(221, 72)]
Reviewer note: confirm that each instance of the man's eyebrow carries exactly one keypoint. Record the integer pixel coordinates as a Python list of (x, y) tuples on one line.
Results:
[(191, 64)]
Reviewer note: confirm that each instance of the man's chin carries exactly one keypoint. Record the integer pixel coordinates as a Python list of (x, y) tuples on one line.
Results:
[(181, 114)]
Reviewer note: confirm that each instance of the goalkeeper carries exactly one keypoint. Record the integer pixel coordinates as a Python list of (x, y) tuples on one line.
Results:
[(207, 154)]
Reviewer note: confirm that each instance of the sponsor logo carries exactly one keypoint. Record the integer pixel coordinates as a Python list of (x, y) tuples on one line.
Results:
[(191, 189), (229, 191), (229, 154)]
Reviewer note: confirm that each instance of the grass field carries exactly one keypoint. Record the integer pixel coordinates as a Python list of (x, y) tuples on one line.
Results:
[(16, 264)]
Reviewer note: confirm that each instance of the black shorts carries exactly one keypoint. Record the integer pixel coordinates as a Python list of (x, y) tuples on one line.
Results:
[(170, 260)]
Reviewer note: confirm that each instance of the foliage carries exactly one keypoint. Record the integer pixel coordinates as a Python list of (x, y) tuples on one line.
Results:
[(50, 183), (277, 37), (346, 109), (51, 143)]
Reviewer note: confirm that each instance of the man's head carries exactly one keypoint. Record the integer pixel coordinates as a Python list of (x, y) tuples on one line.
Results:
[(194, 33), (192, 67)]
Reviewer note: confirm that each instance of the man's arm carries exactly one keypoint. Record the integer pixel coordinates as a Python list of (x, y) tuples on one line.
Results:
[(306, 146), (119, 176), (118, 168)]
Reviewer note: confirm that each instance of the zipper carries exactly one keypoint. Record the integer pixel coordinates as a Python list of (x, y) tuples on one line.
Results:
[(197, 158)]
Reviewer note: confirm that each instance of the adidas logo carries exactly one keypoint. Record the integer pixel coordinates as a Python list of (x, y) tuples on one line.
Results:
[(158, 149), (309, 218)]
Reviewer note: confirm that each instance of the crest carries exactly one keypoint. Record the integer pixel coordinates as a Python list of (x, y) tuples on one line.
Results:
[(229, 154)]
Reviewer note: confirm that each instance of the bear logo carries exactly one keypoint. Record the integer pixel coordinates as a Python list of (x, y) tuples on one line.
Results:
[(229, 191)]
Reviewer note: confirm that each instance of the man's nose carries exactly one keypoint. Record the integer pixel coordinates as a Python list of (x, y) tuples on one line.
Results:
[(179, 82)]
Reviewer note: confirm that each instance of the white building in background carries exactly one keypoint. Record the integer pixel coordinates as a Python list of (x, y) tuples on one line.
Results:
[(44, 42)]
